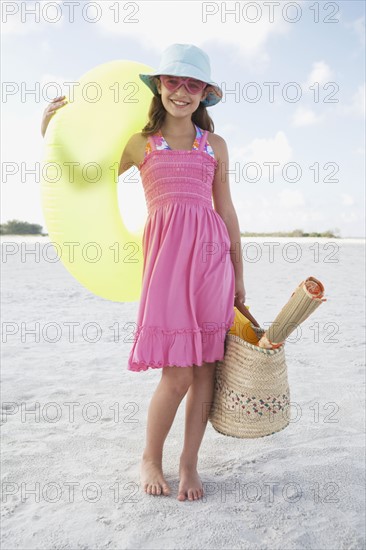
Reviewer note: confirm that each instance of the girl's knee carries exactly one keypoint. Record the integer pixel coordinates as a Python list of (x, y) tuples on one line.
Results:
[(178, 378)]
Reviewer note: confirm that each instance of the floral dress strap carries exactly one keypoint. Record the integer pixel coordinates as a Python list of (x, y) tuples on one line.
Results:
[(157, 142), (151, 141), (203, 141)]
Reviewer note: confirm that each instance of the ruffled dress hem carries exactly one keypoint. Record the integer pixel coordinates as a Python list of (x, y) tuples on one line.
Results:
[(175, 346)]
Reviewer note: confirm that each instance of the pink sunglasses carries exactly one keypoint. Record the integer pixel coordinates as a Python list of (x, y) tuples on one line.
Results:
[(192, 85)]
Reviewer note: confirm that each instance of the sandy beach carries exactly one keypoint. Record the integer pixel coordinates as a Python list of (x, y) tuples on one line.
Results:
[(74, 419)]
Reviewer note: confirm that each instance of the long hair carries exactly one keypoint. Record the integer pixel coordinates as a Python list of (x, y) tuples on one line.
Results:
[(157, 112)]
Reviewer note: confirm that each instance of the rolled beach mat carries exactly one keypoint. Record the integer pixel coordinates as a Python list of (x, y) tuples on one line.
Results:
[(306, 298)]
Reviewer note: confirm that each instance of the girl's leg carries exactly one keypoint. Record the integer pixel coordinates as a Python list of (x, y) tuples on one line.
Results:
[(173, 386), (199, 400)]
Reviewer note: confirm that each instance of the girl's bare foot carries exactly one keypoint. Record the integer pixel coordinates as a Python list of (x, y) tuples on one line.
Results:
[(190, 484), (152, 479)]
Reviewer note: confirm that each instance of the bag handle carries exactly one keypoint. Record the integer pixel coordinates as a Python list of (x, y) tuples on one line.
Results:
[(241, 307)]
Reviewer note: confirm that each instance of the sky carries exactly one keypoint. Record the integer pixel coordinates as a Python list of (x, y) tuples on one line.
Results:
[(313, 49)]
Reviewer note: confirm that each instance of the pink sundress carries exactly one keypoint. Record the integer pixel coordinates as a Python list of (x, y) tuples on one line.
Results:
[(188, 283)]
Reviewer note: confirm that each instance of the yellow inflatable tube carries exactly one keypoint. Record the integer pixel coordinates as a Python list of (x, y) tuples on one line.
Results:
[(242, 327), (83, 146)]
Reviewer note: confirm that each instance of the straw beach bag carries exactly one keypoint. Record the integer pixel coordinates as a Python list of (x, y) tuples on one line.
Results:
[(251, 395)]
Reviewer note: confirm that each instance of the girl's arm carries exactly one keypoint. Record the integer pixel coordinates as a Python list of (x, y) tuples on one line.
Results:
[(133, 151), (224, 205)]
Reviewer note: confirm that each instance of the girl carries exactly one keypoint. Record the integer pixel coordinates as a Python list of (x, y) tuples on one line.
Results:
[(192, 257)]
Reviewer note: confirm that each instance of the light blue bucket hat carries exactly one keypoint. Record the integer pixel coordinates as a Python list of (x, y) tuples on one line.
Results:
[(185, 60)]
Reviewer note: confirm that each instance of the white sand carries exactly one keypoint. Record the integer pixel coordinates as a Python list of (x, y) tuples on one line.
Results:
[(300, 488)]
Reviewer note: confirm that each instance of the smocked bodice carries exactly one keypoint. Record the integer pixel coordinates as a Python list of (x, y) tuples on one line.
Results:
[(177, 175)]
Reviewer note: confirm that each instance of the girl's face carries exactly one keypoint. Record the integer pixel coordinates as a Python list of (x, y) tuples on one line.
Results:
[(180, 102)]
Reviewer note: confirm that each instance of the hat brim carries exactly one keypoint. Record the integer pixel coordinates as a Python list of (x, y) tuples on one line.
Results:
[(212, 97)]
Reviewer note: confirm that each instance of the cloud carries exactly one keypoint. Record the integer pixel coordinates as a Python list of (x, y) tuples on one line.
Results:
[(46, 47), (291, 212), (54, 85), (23, 18), (347, 200), (263, 150), (358, 27), (306, 117), (349, 217), (197, 23), (357, 104), (289, 199), (321, 72), (22, 149)]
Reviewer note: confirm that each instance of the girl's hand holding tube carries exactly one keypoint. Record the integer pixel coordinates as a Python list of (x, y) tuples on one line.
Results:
[(50, 110), (239, 290)]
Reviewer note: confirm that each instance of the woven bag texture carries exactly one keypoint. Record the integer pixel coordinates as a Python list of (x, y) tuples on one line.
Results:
[(251, 395)]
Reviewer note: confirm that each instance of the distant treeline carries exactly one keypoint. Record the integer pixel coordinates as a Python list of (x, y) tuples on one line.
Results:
[(330, 234), (16, 227)]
